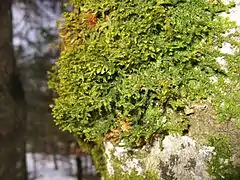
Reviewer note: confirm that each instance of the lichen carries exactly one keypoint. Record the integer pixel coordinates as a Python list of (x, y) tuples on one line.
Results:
[(122, 166), (174, 157), (119, 175)]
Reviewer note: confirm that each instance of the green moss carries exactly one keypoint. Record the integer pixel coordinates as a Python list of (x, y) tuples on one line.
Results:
[(97, 153), (128, 69), (140, 63), (221, 165), (132, 175)]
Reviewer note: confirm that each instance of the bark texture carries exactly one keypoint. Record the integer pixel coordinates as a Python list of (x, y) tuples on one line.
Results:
[(12, 104)]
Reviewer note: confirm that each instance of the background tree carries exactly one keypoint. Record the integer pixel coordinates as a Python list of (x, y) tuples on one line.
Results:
[(12, 104), (32, 39), (35, 36), (26, 118)]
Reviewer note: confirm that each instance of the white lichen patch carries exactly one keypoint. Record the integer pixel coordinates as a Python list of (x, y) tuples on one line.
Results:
[(233, 15), (174, 157), (132, 164), (207, 151), (109, 148), (223, 63), (120, 153), (183, 159)]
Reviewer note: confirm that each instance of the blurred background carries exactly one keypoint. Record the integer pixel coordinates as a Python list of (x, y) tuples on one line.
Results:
[(50, 153)]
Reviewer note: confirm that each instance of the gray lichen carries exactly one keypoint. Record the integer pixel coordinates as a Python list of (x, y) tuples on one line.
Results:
[(178, 158)]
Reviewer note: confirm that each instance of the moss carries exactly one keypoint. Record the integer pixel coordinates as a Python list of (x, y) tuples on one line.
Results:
[(97, 153), (133, 175), (224, 136), (128, 70), (221, 164)]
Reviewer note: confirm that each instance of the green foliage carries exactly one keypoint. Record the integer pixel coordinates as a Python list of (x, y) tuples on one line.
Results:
[(97, 153), (221, 164), (128, 68)]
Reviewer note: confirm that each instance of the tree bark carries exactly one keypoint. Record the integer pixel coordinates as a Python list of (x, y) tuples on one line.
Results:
[(12, 104), (79, 167)]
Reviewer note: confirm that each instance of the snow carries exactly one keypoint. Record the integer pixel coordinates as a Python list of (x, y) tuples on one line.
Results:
[(45, 169)]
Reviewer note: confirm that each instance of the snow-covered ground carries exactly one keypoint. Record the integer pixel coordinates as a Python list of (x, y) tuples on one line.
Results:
[(44, 169)]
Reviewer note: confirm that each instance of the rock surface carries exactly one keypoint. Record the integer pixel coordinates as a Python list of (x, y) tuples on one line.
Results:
[(175, 157)]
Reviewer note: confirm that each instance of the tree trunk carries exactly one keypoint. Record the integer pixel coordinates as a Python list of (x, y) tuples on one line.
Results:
[(12, 104), (79, 168), (54, 153)]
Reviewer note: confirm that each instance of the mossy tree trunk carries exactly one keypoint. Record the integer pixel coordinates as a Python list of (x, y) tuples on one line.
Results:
[(12, 104)]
